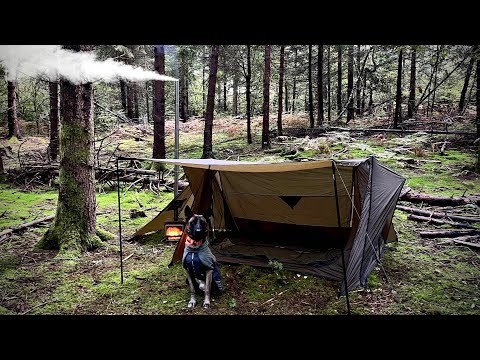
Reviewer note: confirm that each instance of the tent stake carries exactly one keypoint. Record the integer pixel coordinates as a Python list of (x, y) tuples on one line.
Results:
[(345, 281), (119, 224)]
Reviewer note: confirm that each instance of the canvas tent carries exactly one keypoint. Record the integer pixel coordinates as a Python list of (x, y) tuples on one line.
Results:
[(328, 218)]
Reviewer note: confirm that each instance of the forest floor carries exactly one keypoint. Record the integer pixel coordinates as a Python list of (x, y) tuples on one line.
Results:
[(425, 277)]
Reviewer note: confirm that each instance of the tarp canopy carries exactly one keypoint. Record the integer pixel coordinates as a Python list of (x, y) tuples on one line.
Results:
[(302, 214)]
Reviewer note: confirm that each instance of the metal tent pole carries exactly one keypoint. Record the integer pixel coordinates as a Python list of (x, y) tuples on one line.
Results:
[(177, 117), (338, 221), (119, 224)]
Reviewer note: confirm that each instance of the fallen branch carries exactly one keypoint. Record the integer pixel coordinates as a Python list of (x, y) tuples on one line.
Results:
[(467, 243), (448, 233), (412, 197), (401, 131), (128, 257), (438, 222), (42, 304), (26, 225), (437, 214)]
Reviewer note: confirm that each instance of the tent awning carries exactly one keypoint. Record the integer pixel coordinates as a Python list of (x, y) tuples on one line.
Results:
[(248, 166)]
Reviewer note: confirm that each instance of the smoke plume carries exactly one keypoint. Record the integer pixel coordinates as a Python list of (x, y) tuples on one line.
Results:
[(53, 62)]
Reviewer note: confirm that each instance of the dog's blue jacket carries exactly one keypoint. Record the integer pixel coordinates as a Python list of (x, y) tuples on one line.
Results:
[(197, 260)]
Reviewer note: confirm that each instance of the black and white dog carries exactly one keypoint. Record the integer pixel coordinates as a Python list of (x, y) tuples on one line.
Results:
[(198, 261)]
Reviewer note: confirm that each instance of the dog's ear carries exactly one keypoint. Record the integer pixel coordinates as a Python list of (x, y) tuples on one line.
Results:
[(188, 213), (208, 213)]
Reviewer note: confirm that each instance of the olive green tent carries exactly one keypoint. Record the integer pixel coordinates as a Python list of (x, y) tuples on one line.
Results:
[(327, 218)]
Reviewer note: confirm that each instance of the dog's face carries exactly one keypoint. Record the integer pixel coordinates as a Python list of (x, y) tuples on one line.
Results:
[(197, 226)]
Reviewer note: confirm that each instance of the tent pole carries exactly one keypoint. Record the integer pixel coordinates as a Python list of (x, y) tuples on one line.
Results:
[(119, 224), (345, 281), (177, 116), (339, 225)]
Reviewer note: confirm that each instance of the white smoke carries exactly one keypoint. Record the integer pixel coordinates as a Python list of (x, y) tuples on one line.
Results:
[(53, 62)]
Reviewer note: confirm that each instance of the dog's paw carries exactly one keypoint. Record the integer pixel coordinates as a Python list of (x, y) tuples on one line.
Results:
[(192, 303)]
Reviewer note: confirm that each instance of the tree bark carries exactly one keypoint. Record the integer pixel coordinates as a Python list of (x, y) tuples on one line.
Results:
[(339, 80), (439, 200), (280, 89), (74, 229), (438, 221), (224, 68), (437, 214), (350, 109), (2, 169), (477, 101), (235, 93), (329, 87), (13, 129), (54, 121), (358, 110), (286, 96), (320, 94), (435, 81), (310, 88), (461, 103), (248, 80), (294, 91), (159, 105), (266, 100), (212, 80), (147, 102), (204, 95), (123, 95), (413, 78), (448, 233), (183, 106), (130, 96), (135, 101), (398, 103)]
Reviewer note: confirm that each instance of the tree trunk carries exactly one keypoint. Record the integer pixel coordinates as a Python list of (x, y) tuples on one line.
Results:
[(266, 100), (370, 100), (212, 80), (413, 78), (2, 170), (135, 101), (12, 119), (204, 95), (54, 121), (339, 80), (320, 94), (350, 109), (248, 80), (219, 96), (74, 228), (147, 102), (235, 93), (123, 95), (286, 96), (364, 87), (329, 87), (477, 100), (435, 81), (398, 104), (183, 105), (461, 103), (224, 67), (310, 88), (130, 97), (359, 83), (294, 91), (159, 105), (280, 90)]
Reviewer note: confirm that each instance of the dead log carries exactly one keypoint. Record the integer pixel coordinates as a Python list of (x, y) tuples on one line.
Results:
[(448, 233), (401, 131), (437, 214), (413, 197), (467, 243), (438, 221), (26, 225)]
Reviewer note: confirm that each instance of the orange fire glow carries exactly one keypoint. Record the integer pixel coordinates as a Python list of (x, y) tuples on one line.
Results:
[(174, 231)]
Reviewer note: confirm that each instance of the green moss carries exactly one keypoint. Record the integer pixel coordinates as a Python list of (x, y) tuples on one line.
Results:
[(104, 235), (8, 261), (4, 311)]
